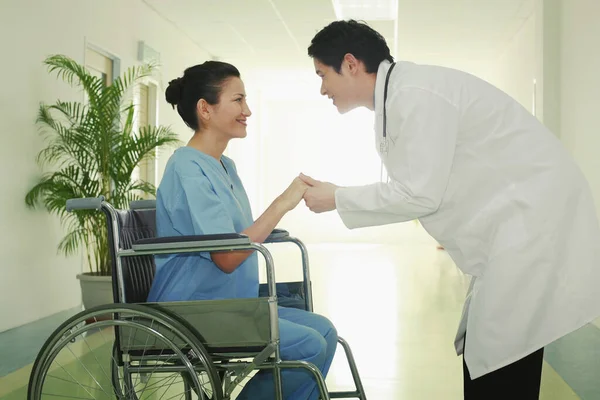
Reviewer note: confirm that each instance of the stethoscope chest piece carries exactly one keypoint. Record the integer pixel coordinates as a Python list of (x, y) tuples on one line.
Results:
[(383, 146)]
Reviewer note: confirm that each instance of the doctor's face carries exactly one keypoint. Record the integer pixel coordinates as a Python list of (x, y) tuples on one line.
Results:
[(339, 87), (231, 114)]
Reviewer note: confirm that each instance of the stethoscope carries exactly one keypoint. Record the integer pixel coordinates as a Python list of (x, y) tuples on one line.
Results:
[(383, 146)]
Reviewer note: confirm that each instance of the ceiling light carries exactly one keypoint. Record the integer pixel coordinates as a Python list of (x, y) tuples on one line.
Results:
[(370, 10)]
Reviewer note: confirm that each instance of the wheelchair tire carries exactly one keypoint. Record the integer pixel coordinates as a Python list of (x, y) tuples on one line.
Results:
[(128, 317)]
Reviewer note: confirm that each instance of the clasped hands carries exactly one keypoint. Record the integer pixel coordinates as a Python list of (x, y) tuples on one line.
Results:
[(318, 196)]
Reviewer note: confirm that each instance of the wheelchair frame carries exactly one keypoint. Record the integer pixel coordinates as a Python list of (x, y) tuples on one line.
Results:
[(267, 358)]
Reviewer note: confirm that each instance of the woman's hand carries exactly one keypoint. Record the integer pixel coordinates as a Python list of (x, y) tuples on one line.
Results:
[(290, 198), (320, 197)]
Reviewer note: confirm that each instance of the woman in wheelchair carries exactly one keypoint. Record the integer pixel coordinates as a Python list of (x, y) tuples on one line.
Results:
[(201, 193)]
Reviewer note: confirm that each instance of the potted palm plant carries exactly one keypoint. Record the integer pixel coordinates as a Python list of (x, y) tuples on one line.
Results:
[(92, 150)]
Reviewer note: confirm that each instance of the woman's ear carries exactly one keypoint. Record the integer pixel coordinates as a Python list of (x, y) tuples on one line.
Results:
[(203, 109)]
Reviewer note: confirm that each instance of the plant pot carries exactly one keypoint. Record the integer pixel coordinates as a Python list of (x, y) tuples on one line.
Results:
[(95, 290)]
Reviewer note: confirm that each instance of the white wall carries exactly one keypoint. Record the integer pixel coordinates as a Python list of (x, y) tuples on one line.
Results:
[(34, 280), (558, 46), (580, 86), (515, 69)]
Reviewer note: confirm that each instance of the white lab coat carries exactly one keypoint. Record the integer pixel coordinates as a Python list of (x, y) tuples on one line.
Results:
[(500, 193)]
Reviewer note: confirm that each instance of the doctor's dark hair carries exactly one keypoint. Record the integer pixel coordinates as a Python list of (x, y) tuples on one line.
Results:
[(332, 43), (202, 81)]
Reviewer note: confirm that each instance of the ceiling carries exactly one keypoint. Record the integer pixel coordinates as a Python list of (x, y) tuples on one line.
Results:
[(467, 34)]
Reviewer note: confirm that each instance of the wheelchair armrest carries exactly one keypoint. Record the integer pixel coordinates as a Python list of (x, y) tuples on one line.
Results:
[(276, 235), (196, 242)]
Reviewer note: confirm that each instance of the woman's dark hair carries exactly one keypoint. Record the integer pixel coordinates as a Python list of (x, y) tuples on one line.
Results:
[(339, 38), (203, 81)]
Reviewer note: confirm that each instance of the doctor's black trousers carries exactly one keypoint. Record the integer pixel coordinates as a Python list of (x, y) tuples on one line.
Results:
[(517, 381)]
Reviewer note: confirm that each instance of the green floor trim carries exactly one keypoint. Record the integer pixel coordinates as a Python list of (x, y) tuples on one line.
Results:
[(20, 346), (576, 358)]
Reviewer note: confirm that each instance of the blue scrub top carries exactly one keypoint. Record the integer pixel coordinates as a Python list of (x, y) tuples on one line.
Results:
[(198, 196)]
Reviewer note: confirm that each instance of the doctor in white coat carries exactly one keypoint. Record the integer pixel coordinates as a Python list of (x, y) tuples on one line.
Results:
[(490, 183)]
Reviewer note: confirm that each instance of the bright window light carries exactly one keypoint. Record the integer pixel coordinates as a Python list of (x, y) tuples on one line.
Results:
[(370, 10)]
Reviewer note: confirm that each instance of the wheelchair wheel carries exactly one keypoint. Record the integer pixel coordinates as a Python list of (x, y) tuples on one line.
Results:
[(124, 351)]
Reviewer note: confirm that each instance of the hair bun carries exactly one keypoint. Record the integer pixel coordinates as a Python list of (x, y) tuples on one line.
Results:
[(174, 91)]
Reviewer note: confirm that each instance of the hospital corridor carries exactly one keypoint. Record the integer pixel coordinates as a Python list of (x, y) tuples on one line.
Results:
[(300, 200)]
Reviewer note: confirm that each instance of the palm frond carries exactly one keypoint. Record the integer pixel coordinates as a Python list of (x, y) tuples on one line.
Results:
[(135, 149), (129, 112), (58, 187), (133, 190), (76, 113), (133, 75), (73, 145), (75, 74), (138, 190), (73, 241), (113, 95)]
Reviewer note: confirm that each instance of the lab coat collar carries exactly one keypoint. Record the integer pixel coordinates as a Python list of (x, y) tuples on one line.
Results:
[(384, 66)]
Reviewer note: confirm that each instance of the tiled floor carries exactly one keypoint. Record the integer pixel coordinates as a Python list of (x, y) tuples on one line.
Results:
[(398, 307)]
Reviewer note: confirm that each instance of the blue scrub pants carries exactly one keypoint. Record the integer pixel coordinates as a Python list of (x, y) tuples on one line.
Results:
[(304, 336)]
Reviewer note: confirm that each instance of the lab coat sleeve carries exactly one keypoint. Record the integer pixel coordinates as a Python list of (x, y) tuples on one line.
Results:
[(422, 131)]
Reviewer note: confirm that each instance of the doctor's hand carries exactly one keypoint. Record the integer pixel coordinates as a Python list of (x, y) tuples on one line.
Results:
[(320, 196), (290, 198)]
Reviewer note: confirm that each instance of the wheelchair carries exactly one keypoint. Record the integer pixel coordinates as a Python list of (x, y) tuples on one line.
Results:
[(133, 349)]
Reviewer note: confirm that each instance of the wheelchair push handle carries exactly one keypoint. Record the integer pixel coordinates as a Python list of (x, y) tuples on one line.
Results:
[(142, 204), (86, 203)]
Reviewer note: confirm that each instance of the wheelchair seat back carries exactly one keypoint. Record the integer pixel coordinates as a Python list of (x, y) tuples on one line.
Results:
[(138, 272)]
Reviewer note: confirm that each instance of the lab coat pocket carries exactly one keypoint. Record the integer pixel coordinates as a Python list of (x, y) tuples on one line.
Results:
[(498, 227)]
